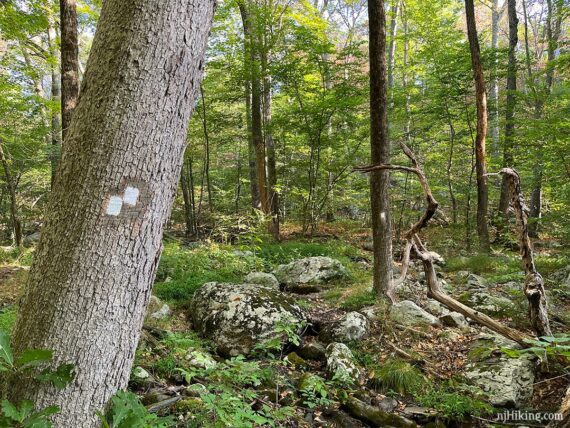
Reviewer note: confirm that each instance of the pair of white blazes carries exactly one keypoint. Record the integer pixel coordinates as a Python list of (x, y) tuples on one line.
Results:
[(130, 198)]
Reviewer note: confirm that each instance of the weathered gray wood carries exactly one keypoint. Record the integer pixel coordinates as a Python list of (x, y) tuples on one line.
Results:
[(95, 263)]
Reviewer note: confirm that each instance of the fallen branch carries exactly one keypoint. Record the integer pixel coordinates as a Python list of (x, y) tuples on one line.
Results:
[(412, 238)]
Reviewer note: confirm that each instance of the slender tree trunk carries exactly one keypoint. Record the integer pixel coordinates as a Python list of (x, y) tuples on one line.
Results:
[(255, 201), (187, 183), (510, 108), (380, 148), (96, 260), (494, 90), (69, 62), (206, 174), (11, 186), (481, 100), (273, 195), (450, 164), (392, 46), (55, 149)]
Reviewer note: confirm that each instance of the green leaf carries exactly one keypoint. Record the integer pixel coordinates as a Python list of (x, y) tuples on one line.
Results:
[(34, 357), (10, 411), (60, 377), (5, 349)]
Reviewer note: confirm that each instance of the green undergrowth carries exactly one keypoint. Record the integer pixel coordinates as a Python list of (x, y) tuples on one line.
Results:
[(8, 318), (183, 270)]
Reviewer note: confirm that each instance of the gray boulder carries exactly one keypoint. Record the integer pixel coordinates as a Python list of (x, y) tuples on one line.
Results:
[(408, 313), (262, 278), (305, 275), (435, 308), (487, 303), (454, 319), (237, 317), (157, 309), (341, 363), (353, 326), (508, 381)]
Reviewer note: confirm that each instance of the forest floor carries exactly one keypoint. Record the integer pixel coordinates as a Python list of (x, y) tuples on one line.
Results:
[(415, 372)]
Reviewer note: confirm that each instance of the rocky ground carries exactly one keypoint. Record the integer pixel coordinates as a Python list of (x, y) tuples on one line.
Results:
[(287, 339)]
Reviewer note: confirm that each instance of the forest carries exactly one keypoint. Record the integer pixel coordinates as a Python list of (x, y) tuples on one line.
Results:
[(284, 213)]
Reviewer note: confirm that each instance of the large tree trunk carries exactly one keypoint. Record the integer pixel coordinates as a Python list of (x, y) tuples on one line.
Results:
[(481, 100), (380, 148), (494, 89), (69, 62), (11, 185), (510, 108), (96, 260), (255, 201)]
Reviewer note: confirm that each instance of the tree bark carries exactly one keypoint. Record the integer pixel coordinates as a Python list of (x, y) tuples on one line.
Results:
[(255, 201), (392, 46), (96, 260), (55, 149), (380, 148), (69, 62), (510, 108), (534, 284), (481, 100), (11, 185), (271, 160), (494, 90)]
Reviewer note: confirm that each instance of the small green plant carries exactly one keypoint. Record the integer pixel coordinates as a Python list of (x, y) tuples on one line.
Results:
[(29, 365), (314, 391), (126, 411), (544, 348), (454, 404), (284, 331), (400, 377)]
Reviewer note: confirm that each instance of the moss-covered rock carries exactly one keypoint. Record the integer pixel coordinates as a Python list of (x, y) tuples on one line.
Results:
[(305, 275), (237, 317)]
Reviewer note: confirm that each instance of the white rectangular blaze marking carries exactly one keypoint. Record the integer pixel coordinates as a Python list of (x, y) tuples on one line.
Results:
[(115, 205), (131, 196)]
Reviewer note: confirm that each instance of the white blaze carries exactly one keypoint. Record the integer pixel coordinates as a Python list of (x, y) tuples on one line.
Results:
[(115, 205), (131, 196)]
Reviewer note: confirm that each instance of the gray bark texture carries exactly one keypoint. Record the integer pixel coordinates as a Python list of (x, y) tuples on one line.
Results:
[(380, 148), (96, 260)]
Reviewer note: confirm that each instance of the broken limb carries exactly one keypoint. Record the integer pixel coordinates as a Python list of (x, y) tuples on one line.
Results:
[(534, 283), (425, 256)]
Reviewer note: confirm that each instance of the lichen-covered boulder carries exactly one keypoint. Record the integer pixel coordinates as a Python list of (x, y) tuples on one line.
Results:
[(435, 308), (341, 363), (490, 304), (353, 326), (236, 317), (408, 313), (306, 275), (454, 319), (262, 278), (508, 381)]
